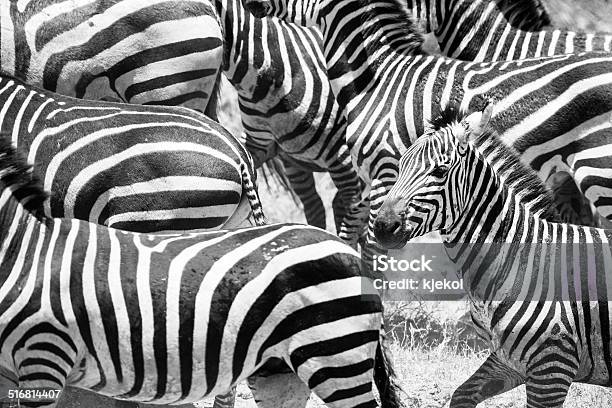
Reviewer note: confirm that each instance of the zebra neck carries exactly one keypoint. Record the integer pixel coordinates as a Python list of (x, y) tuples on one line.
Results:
[(495, 227), (492, 213), (491, 265)]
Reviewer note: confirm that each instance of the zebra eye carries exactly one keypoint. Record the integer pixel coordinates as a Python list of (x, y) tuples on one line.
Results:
[(439, 171)]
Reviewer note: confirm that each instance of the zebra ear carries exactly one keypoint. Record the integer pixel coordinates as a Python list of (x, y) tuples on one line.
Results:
[(483, 123), (478, 122)]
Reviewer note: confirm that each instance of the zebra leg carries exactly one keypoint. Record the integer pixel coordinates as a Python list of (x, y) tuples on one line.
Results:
[(283, 390), (340, 207), (303, 183), (78, 398), (546, 394), (226, 400), (371, 247), (353, 225), (50, 385), (349, 210), (8, 382), (551, 370), (492, 378)]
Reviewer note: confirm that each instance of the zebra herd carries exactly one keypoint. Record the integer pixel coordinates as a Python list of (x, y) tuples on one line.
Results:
[(105, 287)]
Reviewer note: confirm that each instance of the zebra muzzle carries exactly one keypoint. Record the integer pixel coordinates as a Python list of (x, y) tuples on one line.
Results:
[(389, 226)]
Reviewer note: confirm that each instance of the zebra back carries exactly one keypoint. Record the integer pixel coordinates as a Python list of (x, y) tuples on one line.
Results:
[(142, 168), (482, 30), (171, 318), (144, 52)]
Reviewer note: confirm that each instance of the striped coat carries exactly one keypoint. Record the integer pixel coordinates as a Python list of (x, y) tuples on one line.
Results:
[(496, 30), (145, 52), (540, 291), (141, 168), (555, 111), (171, 318), (286, 100)]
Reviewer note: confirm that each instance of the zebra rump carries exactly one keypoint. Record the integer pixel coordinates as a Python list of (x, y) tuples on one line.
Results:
[(156, 52), (139, 168)]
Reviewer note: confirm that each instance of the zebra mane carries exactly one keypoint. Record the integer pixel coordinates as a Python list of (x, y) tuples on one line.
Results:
[(395, 13), (17, 175), (525, 14), (446, 117), (506, 161)]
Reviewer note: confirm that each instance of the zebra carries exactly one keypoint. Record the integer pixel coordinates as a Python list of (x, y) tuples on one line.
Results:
[(539, 289), (484, 30), (553, 111), (170, 318), (143, 52), (134, 167), (125, 51), (284, 95)]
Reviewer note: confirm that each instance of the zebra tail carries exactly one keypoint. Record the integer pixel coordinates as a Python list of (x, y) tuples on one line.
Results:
[(385, 377), (274, 170), (252, 196)]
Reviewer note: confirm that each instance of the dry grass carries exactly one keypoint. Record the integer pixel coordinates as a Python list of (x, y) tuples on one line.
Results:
[(434, 350), (429, 376)]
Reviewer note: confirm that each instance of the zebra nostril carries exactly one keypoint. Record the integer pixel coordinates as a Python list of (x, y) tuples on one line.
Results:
[(386, 227), (395, 225), (407, 228)]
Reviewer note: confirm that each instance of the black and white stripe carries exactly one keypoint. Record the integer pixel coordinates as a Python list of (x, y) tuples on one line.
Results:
[(286, 99), (496, 30), (539, 290), (140, 168), (164, 52), (171, 318), (554, 111)]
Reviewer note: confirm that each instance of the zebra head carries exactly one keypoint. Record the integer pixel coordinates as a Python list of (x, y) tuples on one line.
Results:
[(431, 191)]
